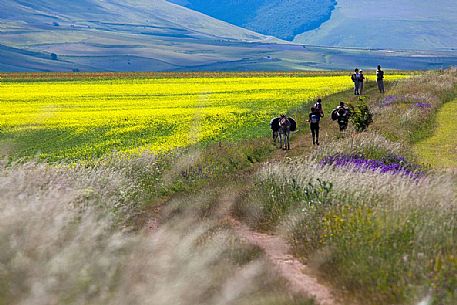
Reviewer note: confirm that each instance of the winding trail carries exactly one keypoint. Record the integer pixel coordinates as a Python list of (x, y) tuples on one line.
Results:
[(290, 268), (301, 278)]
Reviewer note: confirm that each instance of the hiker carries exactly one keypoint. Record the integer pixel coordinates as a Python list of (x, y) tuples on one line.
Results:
[(380, 79), (314, 119), (341, 115), (318, 106), (355, 77), (361, 80)]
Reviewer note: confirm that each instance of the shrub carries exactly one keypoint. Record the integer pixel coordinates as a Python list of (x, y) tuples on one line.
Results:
[(361, 116)]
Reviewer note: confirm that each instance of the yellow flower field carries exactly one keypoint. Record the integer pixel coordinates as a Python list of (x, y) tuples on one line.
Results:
[(85, 119)]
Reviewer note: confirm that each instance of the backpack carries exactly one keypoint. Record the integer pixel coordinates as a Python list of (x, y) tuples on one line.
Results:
[(318, 107), (315, 118), (353, 77), (334, 115), (293, 124)]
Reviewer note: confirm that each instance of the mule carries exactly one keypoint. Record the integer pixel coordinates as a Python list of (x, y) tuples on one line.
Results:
[(274, 125), (284, 132)]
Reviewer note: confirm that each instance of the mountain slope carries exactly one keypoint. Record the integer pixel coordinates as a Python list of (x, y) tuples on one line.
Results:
[(113, 35), (388, 24), (280, 18), (156, 35), (157, 13)]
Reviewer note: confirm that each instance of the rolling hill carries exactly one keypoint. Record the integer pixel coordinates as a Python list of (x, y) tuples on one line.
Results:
[(388, 24), (145, 35), (279, 18), (113, 35)]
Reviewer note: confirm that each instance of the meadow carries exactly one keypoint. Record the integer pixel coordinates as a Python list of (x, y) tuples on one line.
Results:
[(88, 118), (443, 142), (365, 209), (146, 222)]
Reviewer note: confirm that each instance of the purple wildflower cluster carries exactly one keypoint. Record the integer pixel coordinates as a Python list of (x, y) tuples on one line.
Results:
[(420, 101), (423, 105), (389, 100), (394, 165)]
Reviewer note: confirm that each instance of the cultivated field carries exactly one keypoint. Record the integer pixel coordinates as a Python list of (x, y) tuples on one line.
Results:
[(90, 117)]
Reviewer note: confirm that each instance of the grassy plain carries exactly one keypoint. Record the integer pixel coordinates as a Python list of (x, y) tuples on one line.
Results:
[(82, 119), (440, 150)]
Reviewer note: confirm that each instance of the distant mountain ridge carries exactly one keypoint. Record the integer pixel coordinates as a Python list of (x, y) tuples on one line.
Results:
[(280, 18), (388, 24), (379, 24), (157, 35)]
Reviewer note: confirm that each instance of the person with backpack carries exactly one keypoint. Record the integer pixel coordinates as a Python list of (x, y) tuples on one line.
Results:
[(355, 77), (318, 106), (341, 114), (361, 80), (314, 120), (380, 79)]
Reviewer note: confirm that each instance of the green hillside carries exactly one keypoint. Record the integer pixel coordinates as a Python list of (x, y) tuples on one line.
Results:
[(388, 24), (282, 19), (95, 35)]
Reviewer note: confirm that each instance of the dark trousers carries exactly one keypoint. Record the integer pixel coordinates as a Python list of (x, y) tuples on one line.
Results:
[(380, 85), (315, 132), (343, 124), (356, 88)]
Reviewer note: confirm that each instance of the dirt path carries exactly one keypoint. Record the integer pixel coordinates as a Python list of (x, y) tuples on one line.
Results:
[(290, 268), (277, 250)]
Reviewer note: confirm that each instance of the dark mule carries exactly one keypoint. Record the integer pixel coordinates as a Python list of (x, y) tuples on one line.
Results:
[(274, 125), (284, 132)]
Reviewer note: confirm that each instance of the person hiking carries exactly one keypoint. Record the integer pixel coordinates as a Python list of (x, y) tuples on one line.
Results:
[(380, 79), (361, 80), (355, 77), (341, 115), (314, 119), (318, 106)]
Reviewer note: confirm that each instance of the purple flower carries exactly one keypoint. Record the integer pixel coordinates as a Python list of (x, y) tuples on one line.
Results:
[(389, 100), (394, 165), (423, 105)]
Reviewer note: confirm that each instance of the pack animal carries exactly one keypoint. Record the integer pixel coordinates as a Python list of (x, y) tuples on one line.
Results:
[(284, 132), (274, 125)]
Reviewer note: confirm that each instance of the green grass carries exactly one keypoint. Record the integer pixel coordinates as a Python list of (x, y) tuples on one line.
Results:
[(440, 150)]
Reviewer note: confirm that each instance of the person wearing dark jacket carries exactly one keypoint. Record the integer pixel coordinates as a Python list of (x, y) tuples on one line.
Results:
[(380, 79), (341, 114), (314, 120), (355, 77), (318, 106)]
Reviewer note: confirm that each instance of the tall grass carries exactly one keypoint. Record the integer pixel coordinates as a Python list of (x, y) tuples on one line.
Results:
[(62, 244), (384, 237), (401, 114)]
